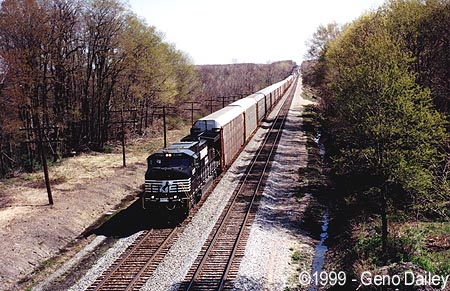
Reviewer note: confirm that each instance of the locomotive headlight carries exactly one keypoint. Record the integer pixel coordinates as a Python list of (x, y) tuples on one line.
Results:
[(153, 197)]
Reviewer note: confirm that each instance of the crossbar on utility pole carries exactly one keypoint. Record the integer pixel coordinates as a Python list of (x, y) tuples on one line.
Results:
[(164, 121), (122, 122), (192, 109)]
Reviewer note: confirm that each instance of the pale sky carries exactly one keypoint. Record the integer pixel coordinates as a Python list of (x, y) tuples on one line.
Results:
[(245, 31)]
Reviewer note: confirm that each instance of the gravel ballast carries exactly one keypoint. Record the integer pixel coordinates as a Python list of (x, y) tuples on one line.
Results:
[(272, 236), (104, 262), (275, 234), (184, 252)]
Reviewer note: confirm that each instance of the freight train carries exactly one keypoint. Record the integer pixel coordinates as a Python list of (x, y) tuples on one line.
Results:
[(179, 174)]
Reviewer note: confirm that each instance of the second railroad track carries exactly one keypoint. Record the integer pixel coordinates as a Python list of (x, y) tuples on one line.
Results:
[(216, 266)]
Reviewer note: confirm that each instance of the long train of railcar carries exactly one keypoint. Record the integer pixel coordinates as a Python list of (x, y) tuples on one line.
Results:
[(178, 175)]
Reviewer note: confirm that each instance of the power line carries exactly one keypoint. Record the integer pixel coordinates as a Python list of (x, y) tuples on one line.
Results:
[(192, 109)]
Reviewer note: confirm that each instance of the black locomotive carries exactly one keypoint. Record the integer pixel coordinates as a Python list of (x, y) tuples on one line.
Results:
[(178, 175)]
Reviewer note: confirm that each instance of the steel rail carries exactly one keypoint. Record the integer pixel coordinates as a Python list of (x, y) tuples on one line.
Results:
[(129, 254), (228, 210), (240, 187), (158, 250), (133, 250), (244, 222)]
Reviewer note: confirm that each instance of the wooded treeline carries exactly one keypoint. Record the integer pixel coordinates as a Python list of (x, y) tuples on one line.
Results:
[(70, 66), (384, 83), (234, 81)]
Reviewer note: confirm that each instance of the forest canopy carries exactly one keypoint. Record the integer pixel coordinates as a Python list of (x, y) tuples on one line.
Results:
[(68, 67), (384, 82)]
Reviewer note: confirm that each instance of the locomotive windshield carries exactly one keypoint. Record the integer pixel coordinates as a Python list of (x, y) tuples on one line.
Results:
[(169, 162)]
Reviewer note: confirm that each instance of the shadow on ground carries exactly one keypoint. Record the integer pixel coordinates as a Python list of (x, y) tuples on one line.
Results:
[(133, 219)]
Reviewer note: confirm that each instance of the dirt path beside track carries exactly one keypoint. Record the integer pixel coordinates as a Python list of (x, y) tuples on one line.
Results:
[(85, 188)]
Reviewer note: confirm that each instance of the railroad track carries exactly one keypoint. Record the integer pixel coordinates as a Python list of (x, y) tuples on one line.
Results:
[(215, 268), (133, 268)]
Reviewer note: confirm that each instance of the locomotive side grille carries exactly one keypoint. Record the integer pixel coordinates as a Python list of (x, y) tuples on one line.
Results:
[(168, 186)]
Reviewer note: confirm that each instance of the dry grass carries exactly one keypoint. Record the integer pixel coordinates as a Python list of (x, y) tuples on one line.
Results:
[(84, 188), (87, 166), (93, 165)]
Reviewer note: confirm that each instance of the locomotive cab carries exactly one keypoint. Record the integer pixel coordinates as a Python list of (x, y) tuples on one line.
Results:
[(169, 179), (175, 176)]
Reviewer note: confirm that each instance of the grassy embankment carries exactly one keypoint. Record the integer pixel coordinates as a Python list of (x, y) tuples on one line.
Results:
[(89, 165)]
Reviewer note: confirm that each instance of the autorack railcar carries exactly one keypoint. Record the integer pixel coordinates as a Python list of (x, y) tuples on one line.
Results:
[(178, 175), (248, 105)]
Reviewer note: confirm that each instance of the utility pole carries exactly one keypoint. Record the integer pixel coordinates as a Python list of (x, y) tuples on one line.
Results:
[(39, 128), (211, 100), (44, 162), (164, 120), (122, 122), (192, 109), (223, 99), (165, 129)]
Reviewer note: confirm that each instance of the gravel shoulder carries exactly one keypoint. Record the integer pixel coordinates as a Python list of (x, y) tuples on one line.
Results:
[(183, 253), (269, 262)]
